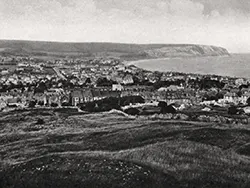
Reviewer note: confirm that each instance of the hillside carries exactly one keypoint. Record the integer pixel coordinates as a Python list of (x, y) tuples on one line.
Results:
[(113, 150), (125, 51)]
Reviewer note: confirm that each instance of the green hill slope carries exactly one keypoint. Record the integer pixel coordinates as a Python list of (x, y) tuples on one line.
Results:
[(126, 51)]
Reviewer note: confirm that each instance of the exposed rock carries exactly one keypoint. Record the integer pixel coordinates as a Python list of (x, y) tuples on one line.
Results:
[(187, 50)]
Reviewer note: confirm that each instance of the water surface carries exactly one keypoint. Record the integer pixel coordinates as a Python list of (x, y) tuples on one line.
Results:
[(236, 65)]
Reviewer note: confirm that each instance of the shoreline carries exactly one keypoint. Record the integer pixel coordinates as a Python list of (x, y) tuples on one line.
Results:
[(135, 62), (231, 60)]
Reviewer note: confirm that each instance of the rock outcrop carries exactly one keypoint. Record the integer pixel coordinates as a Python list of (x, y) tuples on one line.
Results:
[(187, 51)]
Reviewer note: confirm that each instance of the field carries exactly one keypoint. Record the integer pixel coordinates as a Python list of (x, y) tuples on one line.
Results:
[(45, 148)]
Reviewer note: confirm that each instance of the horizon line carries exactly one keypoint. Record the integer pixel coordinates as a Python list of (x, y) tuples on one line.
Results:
[(107, 42)]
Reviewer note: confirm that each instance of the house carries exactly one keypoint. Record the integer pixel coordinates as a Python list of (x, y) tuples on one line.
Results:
[(139, 88), (11, 101), (65, 99), (175, 93), (128, 79), (171, 88), (138, 91), (15, 102), (121, 67), (246, 110), (117, 87), (244, 97), (40, 98), (4, 72), (81, 95), (229, 97), (53, 96), (240, 81), (2, 104), (159, 96)]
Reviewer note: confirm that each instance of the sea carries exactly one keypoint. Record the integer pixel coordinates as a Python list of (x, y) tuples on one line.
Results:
[(235, 65)]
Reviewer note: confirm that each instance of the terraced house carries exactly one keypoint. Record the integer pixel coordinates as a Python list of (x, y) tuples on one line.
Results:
[(82, 95)]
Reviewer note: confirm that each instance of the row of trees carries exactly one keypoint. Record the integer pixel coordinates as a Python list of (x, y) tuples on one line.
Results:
[(110, 103)]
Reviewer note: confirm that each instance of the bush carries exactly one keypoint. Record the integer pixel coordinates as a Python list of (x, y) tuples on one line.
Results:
[(40, 121), (132, 111), (248, 101), (66, 104), (40, 103), (32, 104), (232, 110), (110, 103), (124, 101), (166, 109), (54, 105)]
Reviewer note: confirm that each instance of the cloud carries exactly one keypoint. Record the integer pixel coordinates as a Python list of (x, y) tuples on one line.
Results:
[(223, 6), (221, 22)]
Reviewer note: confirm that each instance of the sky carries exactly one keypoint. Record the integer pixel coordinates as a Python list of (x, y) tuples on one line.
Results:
[(224, 23)]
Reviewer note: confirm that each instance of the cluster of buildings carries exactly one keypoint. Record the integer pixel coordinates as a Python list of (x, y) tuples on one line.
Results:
[(74, 81)]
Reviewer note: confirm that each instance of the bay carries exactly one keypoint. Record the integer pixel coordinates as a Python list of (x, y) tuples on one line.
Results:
[(236, 65)]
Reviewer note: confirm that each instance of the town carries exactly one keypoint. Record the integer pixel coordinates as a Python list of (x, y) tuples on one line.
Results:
[(102, 84)]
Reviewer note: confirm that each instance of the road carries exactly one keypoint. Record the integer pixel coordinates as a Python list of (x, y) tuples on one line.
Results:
[(59, 74)]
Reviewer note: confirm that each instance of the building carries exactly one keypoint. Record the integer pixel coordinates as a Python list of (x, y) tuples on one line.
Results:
[(79, 96), (244, 97), (82, 95), (128, 79), (54, 96), (117, 87), (230, 97)]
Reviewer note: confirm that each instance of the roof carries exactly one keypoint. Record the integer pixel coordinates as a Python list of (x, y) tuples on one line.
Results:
[(174, 88), (246, 94), (230, 94), (13, 100)]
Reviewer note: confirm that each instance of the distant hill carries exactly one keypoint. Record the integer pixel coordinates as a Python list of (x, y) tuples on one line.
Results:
[(125, 51)]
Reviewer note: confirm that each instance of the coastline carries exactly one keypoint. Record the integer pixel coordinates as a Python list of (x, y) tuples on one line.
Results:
[(233, 65), (135, 62)]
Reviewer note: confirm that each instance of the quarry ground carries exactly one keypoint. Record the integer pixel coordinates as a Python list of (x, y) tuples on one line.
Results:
[(114, 150)]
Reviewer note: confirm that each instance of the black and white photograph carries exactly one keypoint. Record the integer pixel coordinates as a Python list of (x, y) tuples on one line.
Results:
[(124, 93)]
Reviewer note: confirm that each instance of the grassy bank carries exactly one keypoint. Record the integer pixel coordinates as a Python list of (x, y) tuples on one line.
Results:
[(114, 150)]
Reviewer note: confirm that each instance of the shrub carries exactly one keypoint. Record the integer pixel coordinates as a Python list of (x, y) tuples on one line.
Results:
[(54, 105), (40, 103), (40, 121), (32, 104), (132, 111), (110, 103), (232, 110), (165, 108)]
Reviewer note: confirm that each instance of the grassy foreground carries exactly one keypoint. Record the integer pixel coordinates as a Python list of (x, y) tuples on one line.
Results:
[(114, 150)]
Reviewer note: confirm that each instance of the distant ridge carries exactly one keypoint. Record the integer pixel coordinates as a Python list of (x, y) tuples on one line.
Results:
[(98, 49)]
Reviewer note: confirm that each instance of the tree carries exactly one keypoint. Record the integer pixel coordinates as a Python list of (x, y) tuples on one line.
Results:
[(88, 81), (66, 104), (40, 103), (54, 105), (232, 110), (165, 108), (132, 111), (40, 121), (104, 82), (162, 104), (248, 101), (131, 99), (40, 88), (32, 104)]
